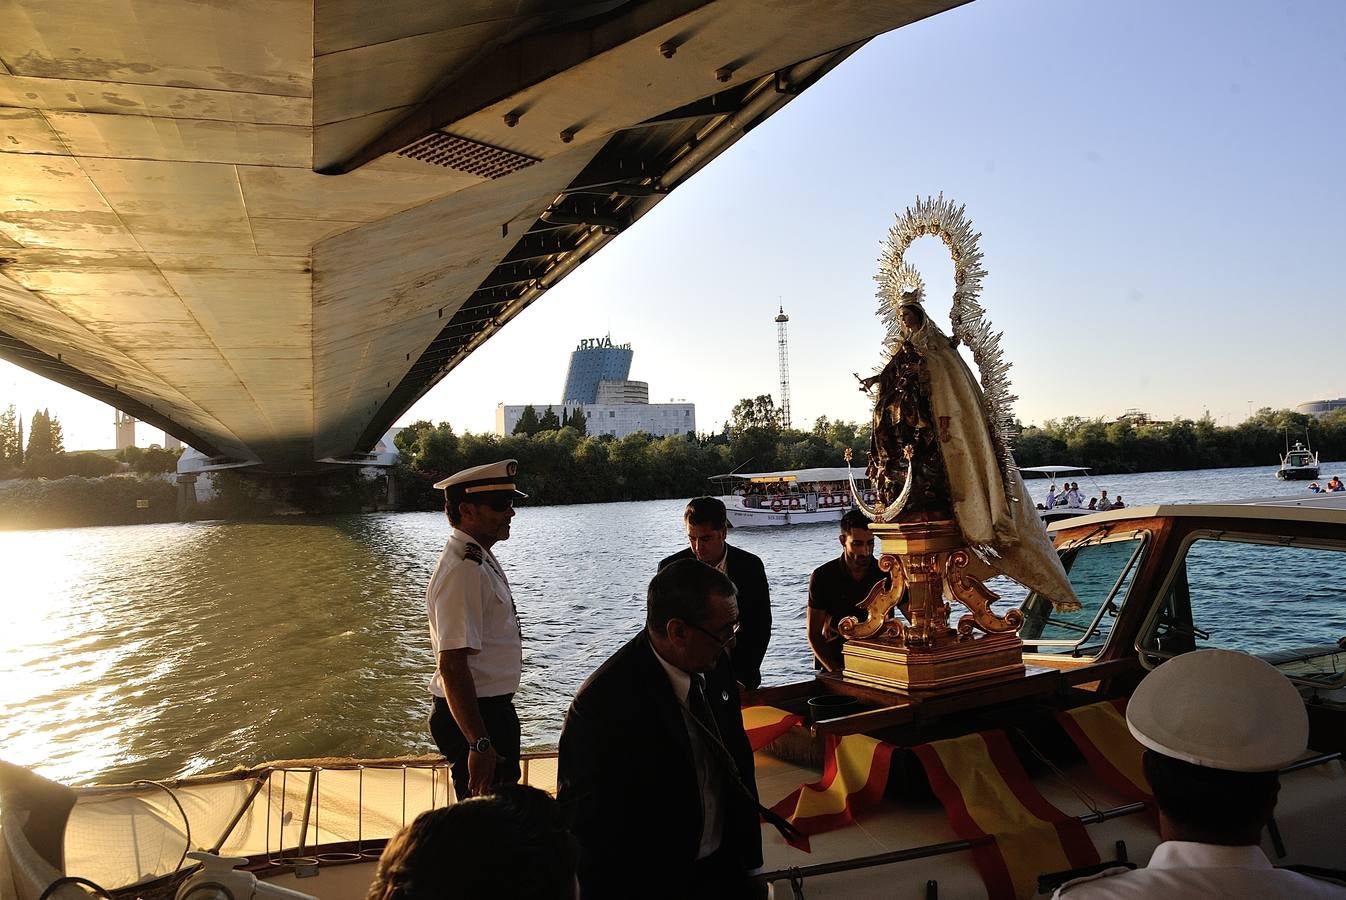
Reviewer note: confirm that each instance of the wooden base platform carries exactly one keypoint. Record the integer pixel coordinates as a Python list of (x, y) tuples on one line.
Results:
[(891, 666)]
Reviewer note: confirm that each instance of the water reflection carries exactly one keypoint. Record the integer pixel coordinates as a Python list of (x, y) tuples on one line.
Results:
[(159, 650)]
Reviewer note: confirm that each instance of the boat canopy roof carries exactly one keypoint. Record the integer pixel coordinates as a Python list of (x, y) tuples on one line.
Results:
[(837, 473), (1054, 470)]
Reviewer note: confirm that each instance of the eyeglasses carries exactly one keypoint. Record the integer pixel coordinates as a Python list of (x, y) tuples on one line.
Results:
[(734, 627)]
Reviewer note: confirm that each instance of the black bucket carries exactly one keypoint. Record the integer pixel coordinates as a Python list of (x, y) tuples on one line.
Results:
[(831, 706)]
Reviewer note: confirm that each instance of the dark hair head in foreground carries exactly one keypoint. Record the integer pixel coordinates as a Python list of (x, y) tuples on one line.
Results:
[(682, 590), (509, 845), (1213, 805)]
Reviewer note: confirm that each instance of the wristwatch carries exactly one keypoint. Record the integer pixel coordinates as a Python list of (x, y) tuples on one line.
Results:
[(481, 745)]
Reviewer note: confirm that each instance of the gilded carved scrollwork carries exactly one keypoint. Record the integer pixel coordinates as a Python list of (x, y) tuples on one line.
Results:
[(883, 597), (977, 597)]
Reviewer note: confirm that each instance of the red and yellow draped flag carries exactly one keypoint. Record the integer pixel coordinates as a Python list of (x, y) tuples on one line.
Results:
[(766, 723), (855, 774), (1099, 731), (990, 800)]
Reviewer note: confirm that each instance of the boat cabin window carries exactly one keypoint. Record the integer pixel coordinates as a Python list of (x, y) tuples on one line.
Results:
[(1101, 574), (1284, 603)]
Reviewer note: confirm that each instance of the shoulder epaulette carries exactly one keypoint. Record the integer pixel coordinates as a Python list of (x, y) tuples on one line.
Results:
[(473, 552)]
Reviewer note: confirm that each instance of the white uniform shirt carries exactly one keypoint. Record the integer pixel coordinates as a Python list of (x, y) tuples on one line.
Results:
[(470, 606), (712, 818), (1190, 870)]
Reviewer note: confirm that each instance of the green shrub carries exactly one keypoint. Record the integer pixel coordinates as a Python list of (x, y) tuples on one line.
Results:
[(74, 501), (59, 465)]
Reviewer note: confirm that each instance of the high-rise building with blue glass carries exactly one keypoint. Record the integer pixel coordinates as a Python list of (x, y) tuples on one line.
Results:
[(598, 390), (595, 360)]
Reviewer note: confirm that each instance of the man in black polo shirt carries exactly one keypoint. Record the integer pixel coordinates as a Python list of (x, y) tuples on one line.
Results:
[(836, 587)]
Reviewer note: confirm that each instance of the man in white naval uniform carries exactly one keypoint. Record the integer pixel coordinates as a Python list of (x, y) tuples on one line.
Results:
[(474, 631), (1217, 727)]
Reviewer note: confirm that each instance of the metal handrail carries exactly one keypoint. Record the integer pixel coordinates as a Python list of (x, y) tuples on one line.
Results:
[(923, 852), (798, 873)]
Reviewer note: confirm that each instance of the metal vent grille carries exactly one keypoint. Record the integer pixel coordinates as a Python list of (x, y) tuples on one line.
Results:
[(460, 154)]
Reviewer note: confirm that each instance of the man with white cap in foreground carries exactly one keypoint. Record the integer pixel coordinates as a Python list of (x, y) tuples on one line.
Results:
[(1217, 727), (474, 630)]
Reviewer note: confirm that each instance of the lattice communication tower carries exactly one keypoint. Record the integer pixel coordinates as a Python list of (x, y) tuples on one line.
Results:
[(783, 350)]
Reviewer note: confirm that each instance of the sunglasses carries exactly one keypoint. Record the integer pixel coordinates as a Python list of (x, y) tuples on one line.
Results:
[(499, 504)]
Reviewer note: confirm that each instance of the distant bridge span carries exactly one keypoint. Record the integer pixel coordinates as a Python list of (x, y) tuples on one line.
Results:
[(270, 226)]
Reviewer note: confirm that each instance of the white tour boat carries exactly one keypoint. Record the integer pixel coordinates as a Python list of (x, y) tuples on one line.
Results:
[(788, 497)]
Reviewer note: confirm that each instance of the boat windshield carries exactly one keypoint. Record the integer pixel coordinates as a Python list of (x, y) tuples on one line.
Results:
[(1101, 573), (1284, 603)]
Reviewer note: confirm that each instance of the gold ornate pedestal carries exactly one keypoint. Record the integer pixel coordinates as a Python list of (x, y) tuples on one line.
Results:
[(921, 654)]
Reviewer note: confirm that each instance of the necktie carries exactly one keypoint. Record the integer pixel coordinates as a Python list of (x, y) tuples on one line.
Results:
[(699, 707)]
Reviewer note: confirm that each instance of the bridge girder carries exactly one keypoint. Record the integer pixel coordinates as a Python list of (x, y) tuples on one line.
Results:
[(167, 246)]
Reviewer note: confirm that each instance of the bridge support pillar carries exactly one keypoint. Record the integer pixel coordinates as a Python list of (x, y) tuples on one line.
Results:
[(186, 496)]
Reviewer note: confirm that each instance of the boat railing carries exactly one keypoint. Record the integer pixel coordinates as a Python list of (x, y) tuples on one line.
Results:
[(797, 501), (797, 874), (285, 816)]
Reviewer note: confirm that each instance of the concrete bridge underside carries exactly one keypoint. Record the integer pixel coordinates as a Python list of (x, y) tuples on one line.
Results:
[(269, 226)]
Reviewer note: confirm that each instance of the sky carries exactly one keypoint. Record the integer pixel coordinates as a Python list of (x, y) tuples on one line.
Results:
[(1159, 187)]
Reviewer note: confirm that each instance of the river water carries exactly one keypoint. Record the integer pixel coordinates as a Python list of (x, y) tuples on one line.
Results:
[(154, 651)]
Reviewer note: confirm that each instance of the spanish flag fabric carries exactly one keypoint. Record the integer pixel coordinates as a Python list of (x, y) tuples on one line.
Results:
[(766, 723), (855, 773), (991, 801), (1099, 731)]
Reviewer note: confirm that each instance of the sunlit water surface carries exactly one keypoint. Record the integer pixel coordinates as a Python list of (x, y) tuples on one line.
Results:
[(160, 650)]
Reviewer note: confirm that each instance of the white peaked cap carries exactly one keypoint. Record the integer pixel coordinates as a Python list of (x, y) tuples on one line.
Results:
[(1220, 709), (492, 478)]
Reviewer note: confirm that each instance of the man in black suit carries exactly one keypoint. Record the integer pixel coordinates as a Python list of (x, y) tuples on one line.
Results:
[(655, 773), (707, 528)]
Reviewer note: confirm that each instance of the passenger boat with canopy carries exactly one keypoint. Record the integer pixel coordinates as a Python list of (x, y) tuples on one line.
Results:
[(787, 497)]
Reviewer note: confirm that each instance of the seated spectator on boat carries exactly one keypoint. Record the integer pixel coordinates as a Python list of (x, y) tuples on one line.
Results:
[(511, 843), (1093, 503), (1315, 488), (1117, 503), (1051, 496), (1074, 499), (1103, 501), (1335, 484), (837, 587), (1217, 727)]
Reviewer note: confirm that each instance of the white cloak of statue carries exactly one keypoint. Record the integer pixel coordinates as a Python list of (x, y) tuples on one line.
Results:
[(1009, 535)]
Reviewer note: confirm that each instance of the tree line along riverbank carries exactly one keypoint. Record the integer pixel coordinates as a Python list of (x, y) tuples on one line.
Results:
[(561, 465)]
